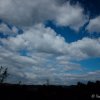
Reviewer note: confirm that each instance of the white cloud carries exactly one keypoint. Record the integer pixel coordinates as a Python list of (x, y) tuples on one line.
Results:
[(85, 48), (15, 29), (41, 60), (14, 59), (71, 15), (23, 12), (36, 67), (45, 40), (37, 38), (47, 54), (6, 30), (94, 25), (39, 53)]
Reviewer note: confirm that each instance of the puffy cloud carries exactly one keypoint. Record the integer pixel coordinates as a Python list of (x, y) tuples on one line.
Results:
[(4, 28), (94, 25), (15, 29), (85, 48), (9, 58), (23, 12), (39, 53), (45, 40), (71, 15), (81, 49), (35, 68), (38, 63), (8, 31), (37, 38)]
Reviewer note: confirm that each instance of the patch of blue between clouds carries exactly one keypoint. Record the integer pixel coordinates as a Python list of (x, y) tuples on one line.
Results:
[(90, 64), (23, 52), (69, 34), (10, 26), (2, 35), (87, 65)]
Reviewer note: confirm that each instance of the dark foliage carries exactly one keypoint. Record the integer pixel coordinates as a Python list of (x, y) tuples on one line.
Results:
[(50, 92)]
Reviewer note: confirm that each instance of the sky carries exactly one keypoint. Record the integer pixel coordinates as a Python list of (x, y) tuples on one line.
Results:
[(55, 40)]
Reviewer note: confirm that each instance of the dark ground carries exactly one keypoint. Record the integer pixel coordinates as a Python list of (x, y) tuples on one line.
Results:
[(91, 91)]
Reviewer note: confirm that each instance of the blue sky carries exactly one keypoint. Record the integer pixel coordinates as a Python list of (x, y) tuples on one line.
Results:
[(57, 40), (91, 64)]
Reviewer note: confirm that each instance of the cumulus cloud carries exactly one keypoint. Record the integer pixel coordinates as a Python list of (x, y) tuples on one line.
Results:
[(85, 48), (4, 29), (39, 53), (37, 67), (41, 39), (72, 16), (42, 46), (38, 38), (23, 12), (94, 25)]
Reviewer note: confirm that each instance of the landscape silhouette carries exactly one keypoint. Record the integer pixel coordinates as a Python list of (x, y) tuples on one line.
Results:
[(19, 91)]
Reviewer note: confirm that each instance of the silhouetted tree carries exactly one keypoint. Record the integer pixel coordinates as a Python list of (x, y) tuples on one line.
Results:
[(90, 83), (80, 84), (97, 82), (3, 74)]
